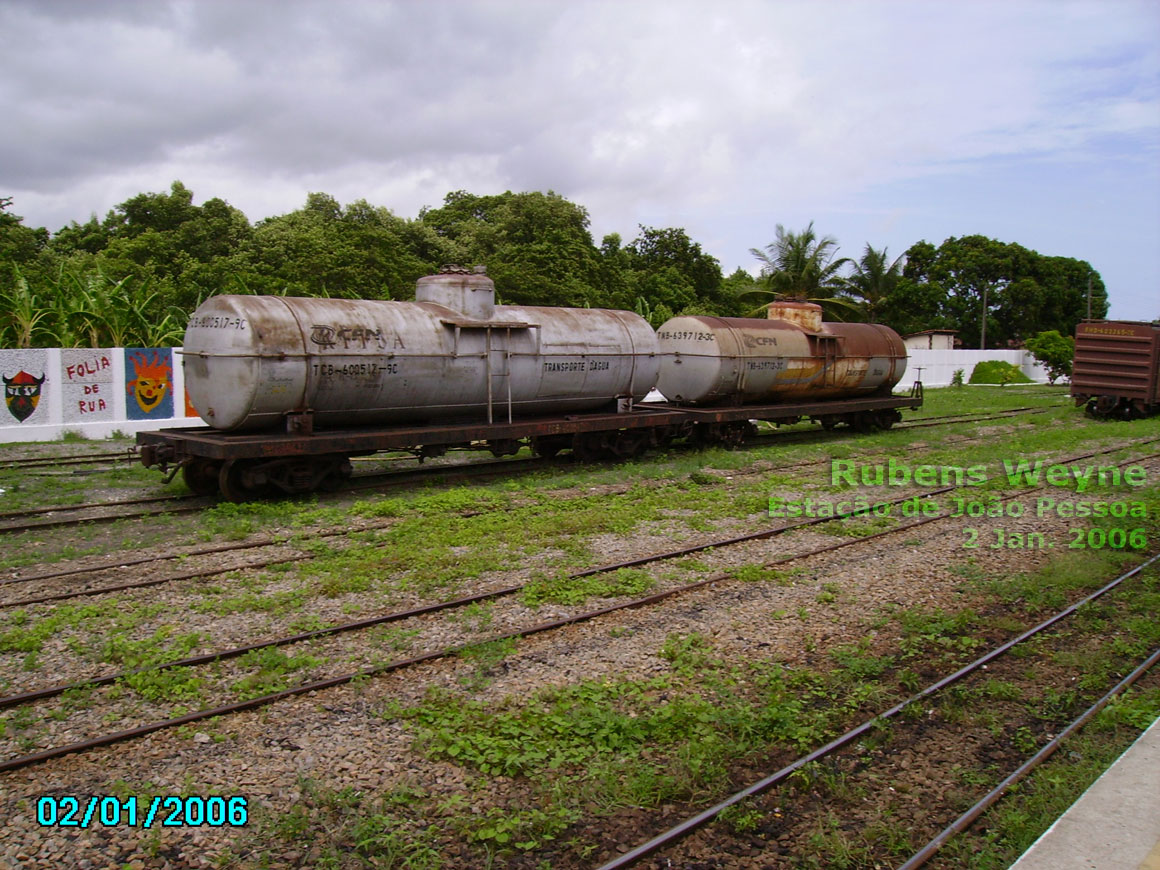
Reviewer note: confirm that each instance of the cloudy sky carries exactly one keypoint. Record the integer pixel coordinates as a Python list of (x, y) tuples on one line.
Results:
[(882, 121)]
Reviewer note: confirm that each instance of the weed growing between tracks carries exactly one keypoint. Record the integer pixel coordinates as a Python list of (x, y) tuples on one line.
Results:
[(606, 749), (603, 747), (1003, 833)]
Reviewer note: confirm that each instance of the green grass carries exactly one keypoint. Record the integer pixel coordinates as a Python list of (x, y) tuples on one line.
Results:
[(619, 742), (273, 671), (562, 589)]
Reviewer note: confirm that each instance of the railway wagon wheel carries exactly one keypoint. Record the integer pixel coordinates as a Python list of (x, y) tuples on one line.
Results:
[(238, 480), (887, 418), (589, 446), (865, 422), (201, 476), (548, 446), (337, 470), (727, 435)]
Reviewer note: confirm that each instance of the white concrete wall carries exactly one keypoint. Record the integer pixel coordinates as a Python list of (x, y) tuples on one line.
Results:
[(91, 392), (939, 366)]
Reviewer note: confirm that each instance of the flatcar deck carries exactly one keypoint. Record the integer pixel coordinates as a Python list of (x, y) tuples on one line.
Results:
[(203, 441), (252, 464)]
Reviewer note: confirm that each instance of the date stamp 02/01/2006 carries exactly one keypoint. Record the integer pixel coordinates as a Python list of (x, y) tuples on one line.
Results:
[(163, 811)]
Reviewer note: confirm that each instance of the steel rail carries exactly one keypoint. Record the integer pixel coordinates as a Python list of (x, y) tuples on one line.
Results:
[(243, 546), (222, 655), (164, 557), (378, 670), (439, 473), (52, 753), (967, 819), (491, 468), (24, 761), (129, 454), (920, 424), (54, 691), (144, 584), (91, 506), (691, 824), (108, 518)]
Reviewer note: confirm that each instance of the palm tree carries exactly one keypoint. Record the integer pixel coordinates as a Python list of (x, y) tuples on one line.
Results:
[(800, 267), (872, 281)]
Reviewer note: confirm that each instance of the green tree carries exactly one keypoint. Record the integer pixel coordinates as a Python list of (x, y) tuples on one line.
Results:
[(91, 237), (616, 281), (655, 249), (159, 212), (1054, 352), (536, 246), (19, 245), (181, 251), (323, 249), (801, 267), (22, 259), (995, 292), (873, 281)]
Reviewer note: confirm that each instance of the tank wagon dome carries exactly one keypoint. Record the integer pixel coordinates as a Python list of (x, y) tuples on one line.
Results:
[(251, 362), (737, 360)]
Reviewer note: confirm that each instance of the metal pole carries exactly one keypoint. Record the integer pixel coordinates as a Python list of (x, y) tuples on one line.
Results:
[(983, 339)]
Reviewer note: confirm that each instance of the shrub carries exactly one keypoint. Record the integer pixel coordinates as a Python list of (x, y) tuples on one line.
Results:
[(995, 371), (1054, 352)]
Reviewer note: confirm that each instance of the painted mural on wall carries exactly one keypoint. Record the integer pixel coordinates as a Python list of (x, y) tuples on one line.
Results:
[(87, 384), (149, 383), (26, 384)]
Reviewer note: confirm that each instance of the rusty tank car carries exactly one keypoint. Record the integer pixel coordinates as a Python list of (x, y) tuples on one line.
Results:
[(789, 356)]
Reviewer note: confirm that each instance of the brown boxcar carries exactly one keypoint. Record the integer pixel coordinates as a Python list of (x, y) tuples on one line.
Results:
[(1116, 371)]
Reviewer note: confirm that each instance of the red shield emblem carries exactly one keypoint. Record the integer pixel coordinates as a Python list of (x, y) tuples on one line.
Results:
[(22, 394)]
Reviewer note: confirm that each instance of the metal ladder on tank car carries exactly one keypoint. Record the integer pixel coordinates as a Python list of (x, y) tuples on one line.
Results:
[(827, 348), (505, 373)]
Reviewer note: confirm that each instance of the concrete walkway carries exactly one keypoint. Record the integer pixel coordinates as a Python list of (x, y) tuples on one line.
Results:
[(1115, 825)]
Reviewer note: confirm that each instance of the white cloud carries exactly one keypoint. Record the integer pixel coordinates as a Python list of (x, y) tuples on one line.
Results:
[(700, 112)]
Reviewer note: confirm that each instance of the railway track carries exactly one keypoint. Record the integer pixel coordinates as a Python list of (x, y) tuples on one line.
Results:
[(15, 522), (128, 455), (302, 637), (261, 542), (110, 511), (676, 833), (282, 718)]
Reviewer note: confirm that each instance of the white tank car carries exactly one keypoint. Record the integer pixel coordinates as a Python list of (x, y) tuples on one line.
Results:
[(252, 362)]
